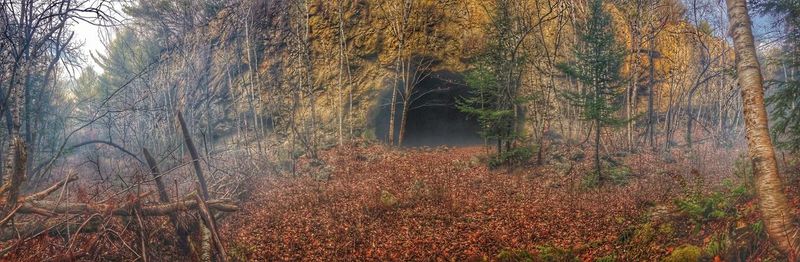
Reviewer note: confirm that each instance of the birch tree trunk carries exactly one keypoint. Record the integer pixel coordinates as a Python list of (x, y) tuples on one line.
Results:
[(14, 166), (769, 188)]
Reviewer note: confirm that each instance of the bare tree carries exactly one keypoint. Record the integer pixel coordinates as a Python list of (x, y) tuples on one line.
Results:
[(410, 24)]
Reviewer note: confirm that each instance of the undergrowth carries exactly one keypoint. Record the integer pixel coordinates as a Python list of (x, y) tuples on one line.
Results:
[(545, 253), (613, 174), (513, 157)]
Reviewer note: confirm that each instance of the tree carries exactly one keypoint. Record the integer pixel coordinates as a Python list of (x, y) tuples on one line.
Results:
[(484, 103), (772, 202), (495, 85), (410, 24), (344, 70), (599, 59), (785, 100), (36, 37), (647, 18), (711, 54)]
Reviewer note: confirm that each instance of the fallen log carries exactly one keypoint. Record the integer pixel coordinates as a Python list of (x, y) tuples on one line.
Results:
[(211, 224), (35, 207), (52, 228), (51, 208), (34, 204), (44, 193)]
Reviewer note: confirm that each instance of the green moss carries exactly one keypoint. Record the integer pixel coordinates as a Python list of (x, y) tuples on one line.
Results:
[(609, 258), (369, 134), (553, 254), (644, 234), (514, 255), (239, 252), (686, 253), (619, 175), (590, 180), (545, 253), (387, 199), (757, 228), (626, 235), (701, 209), (666, 229), (613, 174)]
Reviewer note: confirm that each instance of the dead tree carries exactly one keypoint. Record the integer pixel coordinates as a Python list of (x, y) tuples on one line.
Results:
[(180, 231), (208, 219)]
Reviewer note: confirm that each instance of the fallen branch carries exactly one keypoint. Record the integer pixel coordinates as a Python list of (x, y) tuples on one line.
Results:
[(50, 208), (109, 143), (35, 206), (44, 193)]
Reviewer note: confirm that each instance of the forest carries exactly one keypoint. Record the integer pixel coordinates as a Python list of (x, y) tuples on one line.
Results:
[(399, 130)]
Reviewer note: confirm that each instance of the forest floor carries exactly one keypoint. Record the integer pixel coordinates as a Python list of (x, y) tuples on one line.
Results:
[(371, 202)]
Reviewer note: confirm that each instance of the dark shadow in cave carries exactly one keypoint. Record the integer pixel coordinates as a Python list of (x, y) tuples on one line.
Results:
[(433, 119)]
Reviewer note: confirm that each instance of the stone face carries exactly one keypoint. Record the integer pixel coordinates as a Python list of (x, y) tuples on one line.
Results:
[(451, 33), (441, 32)]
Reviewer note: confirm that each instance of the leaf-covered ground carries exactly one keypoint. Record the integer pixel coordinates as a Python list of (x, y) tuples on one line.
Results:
[(369, 202)]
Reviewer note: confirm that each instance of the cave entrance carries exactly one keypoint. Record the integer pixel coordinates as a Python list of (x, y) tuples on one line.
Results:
[(433, 119)]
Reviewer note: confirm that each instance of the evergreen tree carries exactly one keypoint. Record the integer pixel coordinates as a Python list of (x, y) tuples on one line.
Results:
[(495, 84), (785, 99), (86, 92), (129, 54), (484, 104), (597, 66)]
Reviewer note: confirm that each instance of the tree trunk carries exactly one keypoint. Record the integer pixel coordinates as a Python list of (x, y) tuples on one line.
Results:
[(403, 120), (689, 120), (342, 65), (773, 205), (597, 166), (16, 156), (668, 122), (180, 232), (631, 92), (187, 138), (651, 121), (392, 113)]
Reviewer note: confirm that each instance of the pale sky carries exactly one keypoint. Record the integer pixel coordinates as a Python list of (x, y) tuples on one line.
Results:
[(90, 36), (95, 37)]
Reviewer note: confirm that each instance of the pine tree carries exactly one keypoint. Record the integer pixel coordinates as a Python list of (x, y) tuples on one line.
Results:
[(597, 66), (495, 84), (484, 103), (785, 99)]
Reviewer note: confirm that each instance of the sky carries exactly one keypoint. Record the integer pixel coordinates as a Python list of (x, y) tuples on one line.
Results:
[(93, 37), (762, 26), (90, 36)]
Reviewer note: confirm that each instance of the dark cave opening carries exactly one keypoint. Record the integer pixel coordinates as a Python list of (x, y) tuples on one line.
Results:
[(433, 119)]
